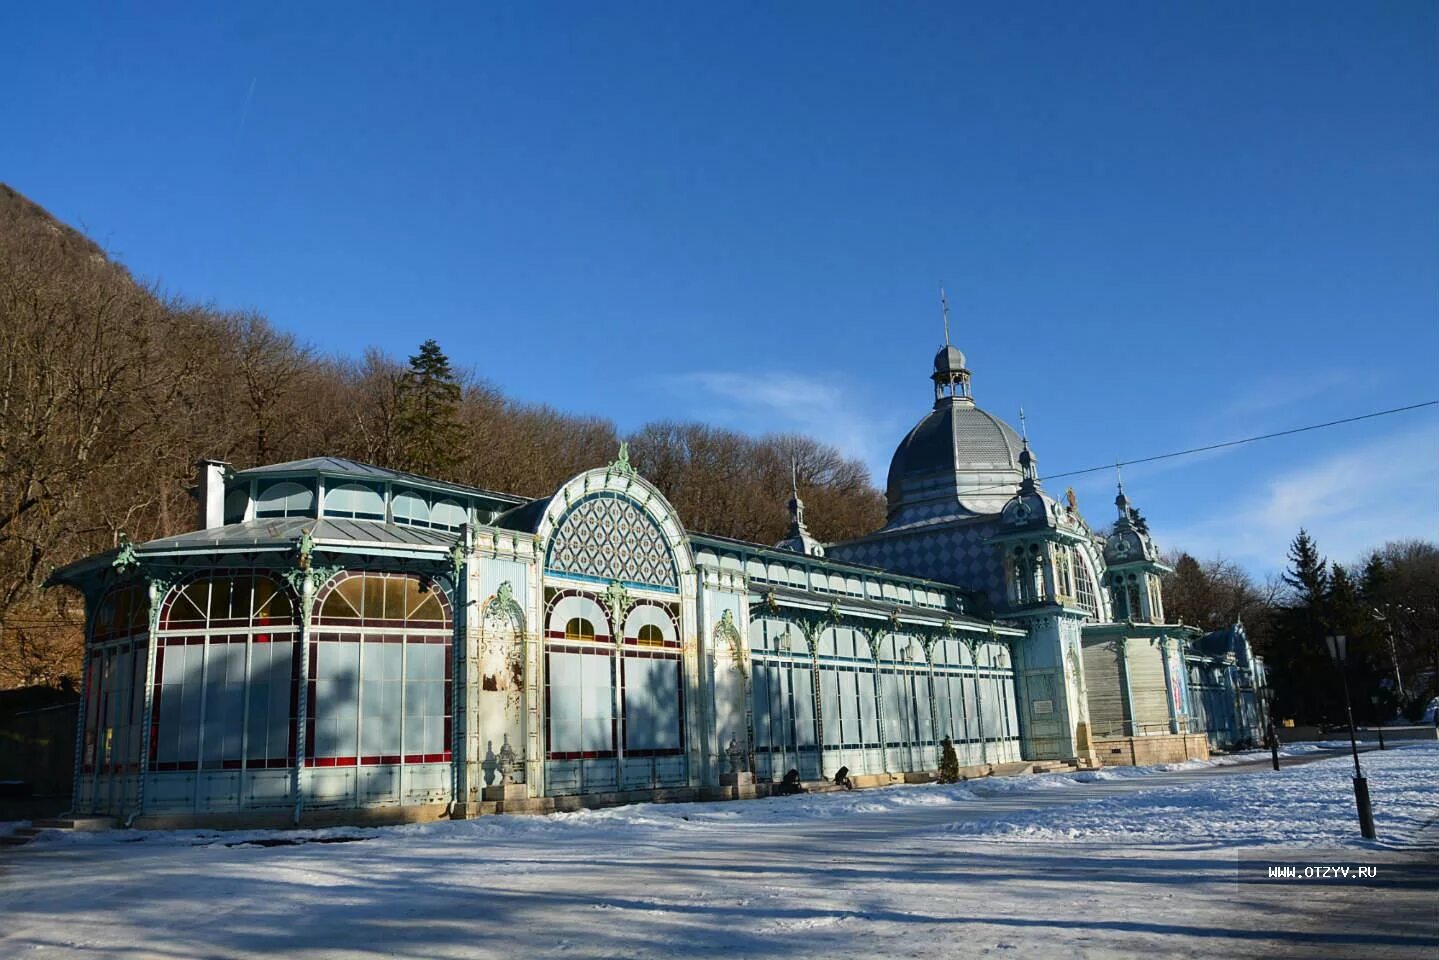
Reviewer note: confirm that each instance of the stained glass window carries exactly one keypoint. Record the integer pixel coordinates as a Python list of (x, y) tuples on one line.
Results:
[(608, 537)]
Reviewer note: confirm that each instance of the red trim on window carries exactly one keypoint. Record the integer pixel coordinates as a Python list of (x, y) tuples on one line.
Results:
[(582, 755)]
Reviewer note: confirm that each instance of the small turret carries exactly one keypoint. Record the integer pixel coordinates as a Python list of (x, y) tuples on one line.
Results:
[(798, 539)]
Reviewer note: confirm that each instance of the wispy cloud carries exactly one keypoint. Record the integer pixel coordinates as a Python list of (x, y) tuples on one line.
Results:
[(782, 401), (1351, 501), (1277, 391)]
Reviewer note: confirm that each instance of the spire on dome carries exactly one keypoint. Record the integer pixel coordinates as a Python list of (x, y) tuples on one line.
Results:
[(951, 376), (796, 505), (1028, 462), (944, 308), (1121, 501), (799, 538)]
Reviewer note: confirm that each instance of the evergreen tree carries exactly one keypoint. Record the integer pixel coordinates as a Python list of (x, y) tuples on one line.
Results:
[(431, 437), (948, 763), (1374, 580), (1303, 676), (1308, 573)]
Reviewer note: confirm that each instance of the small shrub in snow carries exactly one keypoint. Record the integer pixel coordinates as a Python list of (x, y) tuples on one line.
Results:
[(948, 763)]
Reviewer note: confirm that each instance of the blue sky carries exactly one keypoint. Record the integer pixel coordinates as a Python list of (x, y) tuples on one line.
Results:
[(1160, 225)]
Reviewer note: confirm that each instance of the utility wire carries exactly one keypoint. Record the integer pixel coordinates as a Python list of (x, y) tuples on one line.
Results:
[(1235, 443), (1212, 446)]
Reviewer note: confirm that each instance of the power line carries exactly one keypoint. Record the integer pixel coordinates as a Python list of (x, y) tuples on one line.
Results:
[(1213, 446), (1255, 439)]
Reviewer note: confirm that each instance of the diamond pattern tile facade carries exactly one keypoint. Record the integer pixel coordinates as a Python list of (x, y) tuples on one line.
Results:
[(609, 537)]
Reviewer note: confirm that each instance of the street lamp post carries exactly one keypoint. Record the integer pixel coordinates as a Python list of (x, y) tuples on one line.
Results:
[(1393, 651), (1337, 650), (1379, 726)]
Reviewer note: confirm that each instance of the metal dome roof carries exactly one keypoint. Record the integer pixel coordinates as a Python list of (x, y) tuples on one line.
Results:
[(957, 460), (950, 359)]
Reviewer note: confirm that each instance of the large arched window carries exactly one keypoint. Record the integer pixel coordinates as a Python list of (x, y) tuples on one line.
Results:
[(225, 668), (379, 672)]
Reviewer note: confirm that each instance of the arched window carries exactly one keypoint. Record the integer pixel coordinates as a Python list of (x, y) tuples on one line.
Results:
[(286, 499), (227, 601), (650, 636), (578, 628), (448, 515), (379, 670), (354, 501), (1064, 563), (409, 509), (605, 537), (225, 668), (124, 612)]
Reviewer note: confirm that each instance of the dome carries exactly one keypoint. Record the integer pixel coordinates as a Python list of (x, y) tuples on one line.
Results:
[(950, 359), (957, 461)]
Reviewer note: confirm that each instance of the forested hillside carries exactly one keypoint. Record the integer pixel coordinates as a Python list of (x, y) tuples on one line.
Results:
[(110, 391)]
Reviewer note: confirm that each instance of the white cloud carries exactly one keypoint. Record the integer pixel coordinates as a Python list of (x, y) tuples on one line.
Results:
[(780, 401), (1350, 501), (1266, 393)]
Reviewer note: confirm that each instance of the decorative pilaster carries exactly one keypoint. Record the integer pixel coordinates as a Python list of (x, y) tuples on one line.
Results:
[(1170, 681)]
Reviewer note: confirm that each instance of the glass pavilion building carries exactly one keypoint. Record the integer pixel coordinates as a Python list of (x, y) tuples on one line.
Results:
[(340, 641)]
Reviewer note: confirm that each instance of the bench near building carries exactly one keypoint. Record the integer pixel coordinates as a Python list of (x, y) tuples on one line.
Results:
[(339, 641)]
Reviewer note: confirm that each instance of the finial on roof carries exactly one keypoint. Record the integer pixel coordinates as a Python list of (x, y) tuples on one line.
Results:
[(1121, 501), (944, 308), (799, 539), (622, 465), (1023, 430)]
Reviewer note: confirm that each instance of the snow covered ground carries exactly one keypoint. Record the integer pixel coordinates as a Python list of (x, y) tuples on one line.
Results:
[(1107, 863)]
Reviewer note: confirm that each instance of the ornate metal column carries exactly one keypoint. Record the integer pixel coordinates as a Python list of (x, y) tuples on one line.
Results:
[(156, 589), (306, 580)]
